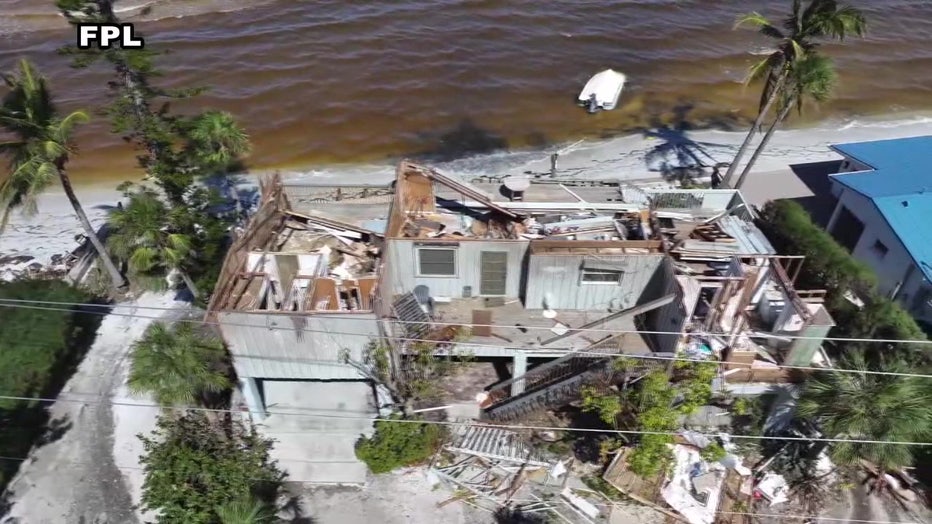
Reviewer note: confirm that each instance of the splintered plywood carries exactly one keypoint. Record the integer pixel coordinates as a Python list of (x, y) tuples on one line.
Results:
[(245, 295), (482, 323), (325, 296), (418, 193), (366, 289)]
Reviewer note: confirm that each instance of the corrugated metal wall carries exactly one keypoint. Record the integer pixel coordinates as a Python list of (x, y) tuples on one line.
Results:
[(670, 318), (403, 268), (559, 275), (273, 345)]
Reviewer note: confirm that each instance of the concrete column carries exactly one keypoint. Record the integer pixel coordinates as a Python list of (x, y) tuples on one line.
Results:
[(519, 368), (250, 389), (835, 213)]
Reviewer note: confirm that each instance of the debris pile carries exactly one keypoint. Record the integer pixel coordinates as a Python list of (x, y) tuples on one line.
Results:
[(494, 468)]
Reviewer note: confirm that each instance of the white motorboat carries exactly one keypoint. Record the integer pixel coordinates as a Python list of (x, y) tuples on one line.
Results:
[(601, 92)]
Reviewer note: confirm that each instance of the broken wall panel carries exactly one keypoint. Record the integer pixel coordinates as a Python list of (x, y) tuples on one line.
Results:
[(559, 278)]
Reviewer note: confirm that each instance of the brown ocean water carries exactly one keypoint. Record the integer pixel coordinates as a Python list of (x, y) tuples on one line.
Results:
[(352, 81)]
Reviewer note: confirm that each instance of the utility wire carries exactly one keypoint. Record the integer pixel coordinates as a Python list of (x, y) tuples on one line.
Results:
[(745, 365), (532, 501), (96, 399), (6, 301)]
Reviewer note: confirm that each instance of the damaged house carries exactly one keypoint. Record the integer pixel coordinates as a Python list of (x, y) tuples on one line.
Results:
[(294, 307), (556, 279), (549, 280)]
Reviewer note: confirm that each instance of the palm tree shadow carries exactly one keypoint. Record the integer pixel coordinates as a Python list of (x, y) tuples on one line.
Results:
[(677, 156), (236, 193), (294, 510)]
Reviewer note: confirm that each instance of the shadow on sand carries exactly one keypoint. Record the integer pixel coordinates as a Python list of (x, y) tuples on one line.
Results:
[(815, 175), (677, 157)]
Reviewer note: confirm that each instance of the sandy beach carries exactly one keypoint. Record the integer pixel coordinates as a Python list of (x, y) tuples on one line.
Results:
[(631, 158)]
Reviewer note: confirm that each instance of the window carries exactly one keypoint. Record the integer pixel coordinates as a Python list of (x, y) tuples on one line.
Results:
[(600, 276), (436, 262), (879, 249)]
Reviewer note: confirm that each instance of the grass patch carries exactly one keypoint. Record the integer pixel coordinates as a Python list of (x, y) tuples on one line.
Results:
[(40, 351)]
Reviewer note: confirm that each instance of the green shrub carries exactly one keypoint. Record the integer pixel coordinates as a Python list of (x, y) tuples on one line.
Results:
[(607, 406), (713, 453), (829, 266), (651, 456), (194, 467), (398, 444), (741, 407), (39, 352)]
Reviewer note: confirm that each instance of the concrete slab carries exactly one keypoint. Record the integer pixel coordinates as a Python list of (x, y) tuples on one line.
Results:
[(315, 426)]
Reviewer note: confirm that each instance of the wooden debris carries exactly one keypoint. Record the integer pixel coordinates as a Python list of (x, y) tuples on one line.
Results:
[(712, 233)]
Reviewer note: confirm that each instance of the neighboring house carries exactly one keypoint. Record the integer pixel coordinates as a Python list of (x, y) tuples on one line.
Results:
[(883, 215)]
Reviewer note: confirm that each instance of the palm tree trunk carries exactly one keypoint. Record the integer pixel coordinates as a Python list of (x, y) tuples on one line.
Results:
[(115, 276), (757, 123), (763, 144), (188, 283)]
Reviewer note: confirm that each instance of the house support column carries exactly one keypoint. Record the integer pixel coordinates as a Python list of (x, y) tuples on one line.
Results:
[(250, 389), (518, 369), (835, 213)]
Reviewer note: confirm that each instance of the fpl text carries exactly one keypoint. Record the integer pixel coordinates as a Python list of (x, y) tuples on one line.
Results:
[(106, 36)]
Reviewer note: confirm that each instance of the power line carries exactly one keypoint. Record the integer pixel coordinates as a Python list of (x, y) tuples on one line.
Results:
[(21, 305), (5, 302), (96, 399), (532, 501)]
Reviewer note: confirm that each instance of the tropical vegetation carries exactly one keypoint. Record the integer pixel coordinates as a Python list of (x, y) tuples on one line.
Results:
[(199, 473), (40, 349), (830, 266), (810, 78), (798, 37), (145, 236), (39, 151), (180, 365), (180, 155), (655, 405), (397, 443), (886, 408)]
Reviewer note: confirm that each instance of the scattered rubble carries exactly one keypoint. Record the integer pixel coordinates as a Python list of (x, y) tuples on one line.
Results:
[(15, 267)]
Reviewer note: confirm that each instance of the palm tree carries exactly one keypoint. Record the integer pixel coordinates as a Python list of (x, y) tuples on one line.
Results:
[(870, 407), (215, 139), (245, 512), (800, 34), (179, 366), (144, 235), (39, 151), (812, 77)]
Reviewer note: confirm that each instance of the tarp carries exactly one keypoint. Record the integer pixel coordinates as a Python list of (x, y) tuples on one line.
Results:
[(678, 493)]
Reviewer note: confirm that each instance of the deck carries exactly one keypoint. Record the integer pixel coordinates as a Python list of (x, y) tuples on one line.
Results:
[(518, 328)]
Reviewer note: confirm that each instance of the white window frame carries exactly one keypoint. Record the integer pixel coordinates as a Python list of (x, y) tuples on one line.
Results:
[(437, 248), (585, 271)]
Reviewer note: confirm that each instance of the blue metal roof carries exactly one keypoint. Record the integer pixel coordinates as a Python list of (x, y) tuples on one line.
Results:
[(900, 185), (900, 166)]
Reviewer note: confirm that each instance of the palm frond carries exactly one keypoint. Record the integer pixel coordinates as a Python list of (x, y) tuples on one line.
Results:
[(869, 407), (178, 365), (245, 512), (759, 22), (761, 69)]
